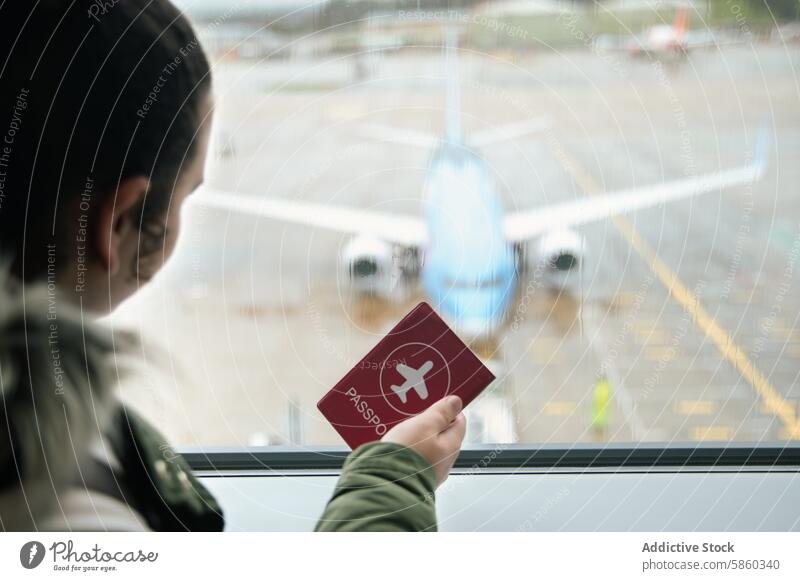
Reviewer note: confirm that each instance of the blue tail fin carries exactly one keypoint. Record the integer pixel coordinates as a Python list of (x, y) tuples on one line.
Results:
[(453, 130)]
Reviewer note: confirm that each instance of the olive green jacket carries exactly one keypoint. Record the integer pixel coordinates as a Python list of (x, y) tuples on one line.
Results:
[(383, 487), (68, 449)]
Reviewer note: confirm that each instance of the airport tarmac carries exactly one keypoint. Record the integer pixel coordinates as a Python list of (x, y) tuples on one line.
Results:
[(690, 309)]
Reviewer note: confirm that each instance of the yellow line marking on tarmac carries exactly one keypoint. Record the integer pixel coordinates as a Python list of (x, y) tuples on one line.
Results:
[(784, 434), (792, 402), (653, 337), (663, 354), (559, 408), (701, 433), (696, 407), (772, 400)]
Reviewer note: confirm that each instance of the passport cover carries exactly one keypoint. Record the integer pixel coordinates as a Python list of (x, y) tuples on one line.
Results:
[(419, 361)]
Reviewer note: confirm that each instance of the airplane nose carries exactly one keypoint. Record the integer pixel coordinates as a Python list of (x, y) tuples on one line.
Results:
[(476, 313)]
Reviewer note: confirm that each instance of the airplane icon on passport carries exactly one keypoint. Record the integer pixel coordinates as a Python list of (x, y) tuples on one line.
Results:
[(414, 379)]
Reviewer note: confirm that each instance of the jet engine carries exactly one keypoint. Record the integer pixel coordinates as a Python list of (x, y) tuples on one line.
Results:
[(368, 263), (557, 253)]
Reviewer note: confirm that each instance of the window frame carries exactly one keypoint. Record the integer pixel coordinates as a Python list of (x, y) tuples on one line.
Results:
[(513, 457)]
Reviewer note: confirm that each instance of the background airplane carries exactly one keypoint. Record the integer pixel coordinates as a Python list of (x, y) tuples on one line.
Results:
[(468, 252), (664, 40)]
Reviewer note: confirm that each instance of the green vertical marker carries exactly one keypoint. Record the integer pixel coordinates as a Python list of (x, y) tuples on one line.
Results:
[(600, 408)]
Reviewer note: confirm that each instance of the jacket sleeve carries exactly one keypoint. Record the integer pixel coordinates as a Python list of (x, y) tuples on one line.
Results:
[(383, 487)]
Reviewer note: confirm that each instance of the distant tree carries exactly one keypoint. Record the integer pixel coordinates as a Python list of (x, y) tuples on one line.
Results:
[(783, 9), (758, 11)]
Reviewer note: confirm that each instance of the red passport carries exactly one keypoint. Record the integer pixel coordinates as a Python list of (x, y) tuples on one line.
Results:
[(420, 361)]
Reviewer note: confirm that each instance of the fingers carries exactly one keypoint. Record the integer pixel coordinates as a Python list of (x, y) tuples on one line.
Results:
[(454, 434), (443, 412)]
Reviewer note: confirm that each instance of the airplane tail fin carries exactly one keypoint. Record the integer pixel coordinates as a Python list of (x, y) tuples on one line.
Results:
[(681, 23), (453, 130)]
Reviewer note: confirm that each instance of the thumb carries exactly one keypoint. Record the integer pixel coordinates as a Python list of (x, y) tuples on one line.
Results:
[(442, 413)]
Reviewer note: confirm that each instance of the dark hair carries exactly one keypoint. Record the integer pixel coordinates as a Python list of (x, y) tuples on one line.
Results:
[(91, 93)]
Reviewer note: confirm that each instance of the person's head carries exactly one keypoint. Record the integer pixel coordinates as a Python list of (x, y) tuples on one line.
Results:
[(104, 118)]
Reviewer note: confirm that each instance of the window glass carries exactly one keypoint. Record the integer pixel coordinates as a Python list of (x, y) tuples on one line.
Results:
[(634, 164)]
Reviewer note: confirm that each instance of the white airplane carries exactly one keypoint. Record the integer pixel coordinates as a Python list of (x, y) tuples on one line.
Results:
[(414, 379), (664, 40), (468, 251)]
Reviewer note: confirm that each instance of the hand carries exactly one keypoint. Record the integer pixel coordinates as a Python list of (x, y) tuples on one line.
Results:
[(436, 434)]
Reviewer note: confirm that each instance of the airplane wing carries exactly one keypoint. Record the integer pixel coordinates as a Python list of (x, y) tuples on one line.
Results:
[(527, 224), (509, 131), (700, 39), (708, 39), (399, 229), (399, 135), (480, 139), (692, 39)]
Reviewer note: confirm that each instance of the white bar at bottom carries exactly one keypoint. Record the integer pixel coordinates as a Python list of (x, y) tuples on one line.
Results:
[(401, 556)]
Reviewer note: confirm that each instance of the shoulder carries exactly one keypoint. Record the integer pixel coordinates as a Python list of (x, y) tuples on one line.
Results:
[(86, 510)]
